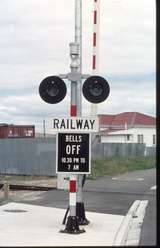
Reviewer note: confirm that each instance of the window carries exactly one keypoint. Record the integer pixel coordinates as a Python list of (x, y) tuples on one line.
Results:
[(128, 137), (154, 139), (140, 138)]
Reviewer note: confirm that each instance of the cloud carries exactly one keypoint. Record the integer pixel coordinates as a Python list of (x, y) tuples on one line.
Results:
[(34, 44), (135, 93)]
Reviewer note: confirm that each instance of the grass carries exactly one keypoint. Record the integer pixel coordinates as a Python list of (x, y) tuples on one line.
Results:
[(101, 167), (118, 165)]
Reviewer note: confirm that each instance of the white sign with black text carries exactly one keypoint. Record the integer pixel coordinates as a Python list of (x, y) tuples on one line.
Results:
[(76, 124)]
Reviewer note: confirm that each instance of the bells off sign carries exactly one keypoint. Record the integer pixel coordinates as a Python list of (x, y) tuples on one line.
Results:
[(74, 153)]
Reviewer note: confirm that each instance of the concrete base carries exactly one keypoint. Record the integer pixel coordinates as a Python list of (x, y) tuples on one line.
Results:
[(29, 225)]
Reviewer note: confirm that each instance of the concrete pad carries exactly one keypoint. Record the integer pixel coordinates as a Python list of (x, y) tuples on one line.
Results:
[(129, 232), (29, 225), (133, 236)]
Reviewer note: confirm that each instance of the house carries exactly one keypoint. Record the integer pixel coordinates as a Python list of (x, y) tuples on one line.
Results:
[(128, 127)]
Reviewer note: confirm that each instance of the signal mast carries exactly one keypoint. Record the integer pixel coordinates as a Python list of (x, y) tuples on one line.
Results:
[(95, 48)]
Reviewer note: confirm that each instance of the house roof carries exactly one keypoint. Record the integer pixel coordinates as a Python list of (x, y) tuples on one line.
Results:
[(130, 119)]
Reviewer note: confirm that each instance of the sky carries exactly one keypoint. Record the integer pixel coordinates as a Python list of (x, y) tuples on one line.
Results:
[(34, 44)]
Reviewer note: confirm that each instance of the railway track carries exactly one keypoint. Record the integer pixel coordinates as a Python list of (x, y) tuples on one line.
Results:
[(28, 187)]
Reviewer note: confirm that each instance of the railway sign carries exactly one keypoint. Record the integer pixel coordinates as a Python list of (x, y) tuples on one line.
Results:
[(73, 153), (76, 124)]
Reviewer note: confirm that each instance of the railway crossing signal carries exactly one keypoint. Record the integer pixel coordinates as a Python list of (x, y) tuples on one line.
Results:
[(53, 89), (96, 90)]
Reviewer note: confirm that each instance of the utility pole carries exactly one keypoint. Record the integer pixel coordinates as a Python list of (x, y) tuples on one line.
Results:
[(78, 39), (72, 225), (80, 210)]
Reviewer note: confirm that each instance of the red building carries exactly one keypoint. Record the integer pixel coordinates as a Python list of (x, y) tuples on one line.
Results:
[(16, 131)]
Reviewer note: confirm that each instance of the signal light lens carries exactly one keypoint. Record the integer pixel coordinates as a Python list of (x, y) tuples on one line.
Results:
[(52, 89), (96, 89)]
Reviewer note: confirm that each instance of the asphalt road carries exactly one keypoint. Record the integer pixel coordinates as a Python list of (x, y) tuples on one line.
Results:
[(113, 195)]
